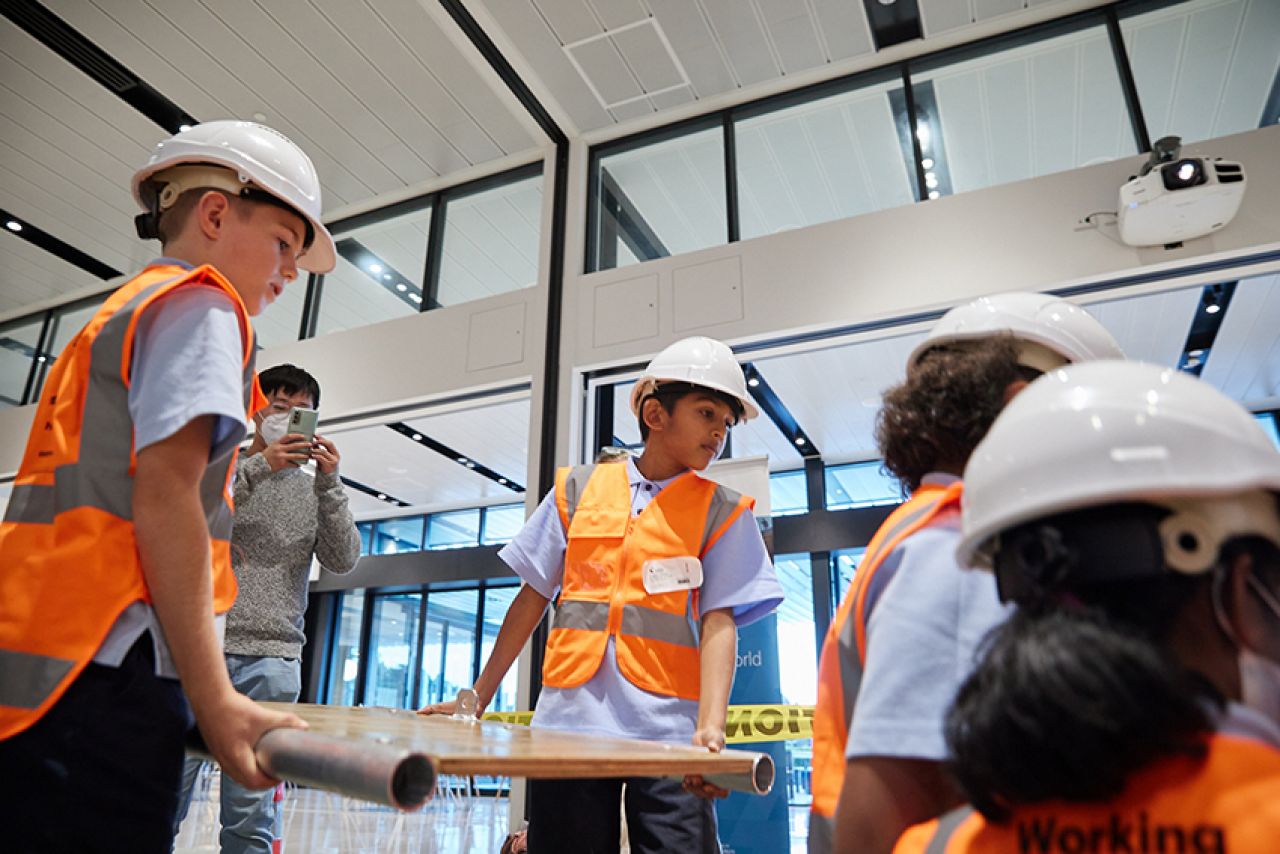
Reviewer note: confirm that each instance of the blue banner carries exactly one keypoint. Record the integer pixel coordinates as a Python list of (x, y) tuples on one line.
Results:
[(752, 824)]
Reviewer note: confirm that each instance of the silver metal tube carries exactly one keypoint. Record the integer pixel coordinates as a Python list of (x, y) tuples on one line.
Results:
[(364, 769), (758, 782)]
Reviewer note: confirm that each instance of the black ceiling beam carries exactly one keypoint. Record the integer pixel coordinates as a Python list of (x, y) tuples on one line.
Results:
[(63, 39), (461, 459), (773, 407), (1205, 324), (376, 268), (46, 241), (375, 493)]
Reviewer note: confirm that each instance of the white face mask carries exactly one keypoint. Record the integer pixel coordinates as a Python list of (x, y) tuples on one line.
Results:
[(274, 427)]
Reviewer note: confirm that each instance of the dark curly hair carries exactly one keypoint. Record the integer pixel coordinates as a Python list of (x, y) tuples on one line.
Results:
[(935, 418)]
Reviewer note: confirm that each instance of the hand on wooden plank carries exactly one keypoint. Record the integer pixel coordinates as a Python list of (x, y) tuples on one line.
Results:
[(712, 738)]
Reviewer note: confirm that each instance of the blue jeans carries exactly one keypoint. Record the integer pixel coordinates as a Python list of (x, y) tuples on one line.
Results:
[(248, 817)]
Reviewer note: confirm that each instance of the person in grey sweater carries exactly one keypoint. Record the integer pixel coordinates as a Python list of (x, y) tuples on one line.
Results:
[(284, 514)]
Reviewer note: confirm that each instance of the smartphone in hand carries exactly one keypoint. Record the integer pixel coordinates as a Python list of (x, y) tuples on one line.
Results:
[(303, 421)]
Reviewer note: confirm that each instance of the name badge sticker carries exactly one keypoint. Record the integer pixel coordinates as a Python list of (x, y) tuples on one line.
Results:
[(667, 575)]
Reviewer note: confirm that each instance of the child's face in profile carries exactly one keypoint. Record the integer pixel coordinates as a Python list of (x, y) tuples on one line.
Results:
[(695, 430), (258, 252)]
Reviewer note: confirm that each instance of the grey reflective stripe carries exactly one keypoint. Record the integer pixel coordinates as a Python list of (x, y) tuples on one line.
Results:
[(574, 485), (643, 622), (822, 833), (576, 614), (26, 679), (850, 664), (946, 826), (723, 502)]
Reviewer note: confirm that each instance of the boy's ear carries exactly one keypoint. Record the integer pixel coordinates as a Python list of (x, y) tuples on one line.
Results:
[(653, 413), (210, 212)]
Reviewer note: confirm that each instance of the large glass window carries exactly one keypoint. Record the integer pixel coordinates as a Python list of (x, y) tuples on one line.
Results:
[(393, 651), (458, 529), (997, 114), (501, 524), (18, 342), (1205, 68), (844, 564), (861, 485), (379, 274), (448, 657), (491, 242), (497, 601), (788, 493), (345, 664), (398, 535), (823, 160), (660, 199)]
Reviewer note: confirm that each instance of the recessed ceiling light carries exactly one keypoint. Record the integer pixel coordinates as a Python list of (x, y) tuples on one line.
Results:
[(1212, 308), (375, 267), (502, 480), (462, 459), (400, 286), (927, 163), (800, 440), (183, 128), (386, 277), (415, 297), (382, 496), (13, 225), (934, 194), (753, 382), (470, 464), (417, 437)]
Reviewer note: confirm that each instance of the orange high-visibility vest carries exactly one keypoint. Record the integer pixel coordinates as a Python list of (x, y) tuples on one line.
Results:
[(844, 653), (603, 594), (1228, 802), (69, 561)]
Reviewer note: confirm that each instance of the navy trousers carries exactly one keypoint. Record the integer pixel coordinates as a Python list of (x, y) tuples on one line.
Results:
[(583, 817), (100, 771)]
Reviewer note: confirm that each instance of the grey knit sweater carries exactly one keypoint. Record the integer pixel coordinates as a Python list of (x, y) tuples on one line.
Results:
[(282, 518)]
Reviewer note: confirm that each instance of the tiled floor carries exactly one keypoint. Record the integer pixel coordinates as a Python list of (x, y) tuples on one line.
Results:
[(318, 822)]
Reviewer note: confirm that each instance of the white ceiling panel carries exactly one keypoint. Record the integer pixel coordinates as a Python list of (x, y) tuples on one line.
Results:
[(28, 274), (1245, 360), (496, 436), (1151, 328)]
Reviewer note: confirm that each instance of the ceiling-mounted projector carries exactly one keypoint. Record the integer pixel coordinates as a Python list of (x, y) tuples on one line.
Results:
[(1177, 198)]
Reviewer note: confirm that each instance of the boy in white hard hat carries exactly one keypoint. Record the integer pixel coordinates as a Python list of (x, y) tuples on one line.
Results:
[(655, 568), (116, 541), (904, 634)]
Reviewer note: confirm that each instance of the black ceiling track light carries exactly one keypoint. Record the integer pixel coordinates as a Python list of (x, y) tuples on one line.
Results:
[(369, 490), (773, 407), (377, 269), (64, 40), (463, 460), (19, 227), (1214, 300)]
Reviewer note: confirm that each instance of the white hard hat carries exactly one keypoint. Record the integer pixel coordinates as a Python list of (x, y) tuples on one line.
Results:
[(1113, 432), (701, 361), (258, 158), (1069, 332)]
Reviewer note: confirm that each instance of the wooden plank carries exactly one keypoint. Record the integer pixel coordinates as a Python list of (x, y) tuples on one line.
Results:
[(469, 747)]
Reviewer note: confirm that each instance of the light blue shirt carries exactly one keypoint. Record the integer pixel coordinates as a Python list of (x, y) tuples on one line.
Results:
[(922, 640), (187, 363), (737, 575)]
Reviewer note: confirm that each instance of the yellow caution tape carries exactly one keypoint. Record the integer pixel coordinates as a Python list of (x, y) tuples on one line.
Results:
[(745, 724)]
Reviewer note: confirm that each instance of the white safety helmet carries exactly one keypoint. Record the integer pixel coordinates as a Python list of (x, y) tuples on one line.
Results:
[(245, 157), (1052, 331), (701, 361), (1112, 432)]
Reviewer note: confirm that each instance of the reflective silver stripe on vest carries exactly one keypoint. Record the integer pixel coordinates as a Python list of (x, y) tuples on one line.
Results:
[(946, 826), (100, 477), (26, 679), (639, 621), (850, 665), (723, 502), (576, 614), (574, 485)]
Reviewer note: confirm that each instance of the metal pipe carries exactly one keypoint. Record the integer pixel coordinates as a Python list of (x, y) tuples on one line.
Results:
[(758, 782), (368, 770)]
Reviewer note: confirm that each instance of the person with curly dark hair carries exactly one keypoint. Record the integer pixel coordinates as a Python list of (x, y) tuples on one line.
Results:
[(1132, 703), (905, 633)]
